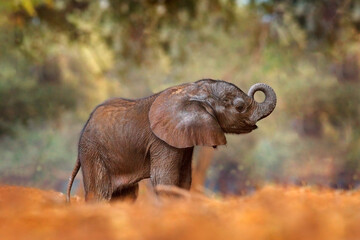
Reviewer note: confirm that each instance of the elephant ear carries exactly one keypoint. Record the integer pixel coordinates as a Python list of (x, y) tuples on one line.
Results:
[(179, 120)]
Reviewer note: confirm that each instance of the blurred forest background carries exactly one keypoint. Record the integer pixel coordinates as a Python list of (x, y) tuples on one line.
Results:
[(60, 58)]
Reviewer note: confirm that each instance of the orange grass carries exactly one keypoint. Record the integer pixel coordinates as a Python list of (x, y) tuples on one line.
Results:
[(271, 213)]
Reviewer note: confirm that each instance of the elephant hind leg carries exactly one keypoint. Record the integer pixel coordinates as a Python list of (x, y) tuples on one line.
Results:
[(129, 192), (97, 181)]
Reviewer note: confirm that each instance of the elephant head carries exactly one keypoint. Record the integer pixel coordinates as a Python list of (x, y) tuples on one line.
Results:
[(201, 113)]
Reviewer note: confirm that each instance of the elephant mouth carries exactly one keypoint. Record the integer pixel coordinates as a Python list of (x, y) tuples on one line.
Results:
[(242, 130), (250, 128)]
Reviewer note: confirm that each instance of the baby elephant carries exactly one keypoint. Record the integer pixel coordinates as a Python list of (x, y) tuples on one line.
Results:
[(125, 141)]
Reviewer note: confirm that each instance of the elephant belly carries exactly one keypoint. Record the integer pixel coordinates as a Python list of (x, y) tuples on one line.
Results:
[(129, 167), (127, 159)]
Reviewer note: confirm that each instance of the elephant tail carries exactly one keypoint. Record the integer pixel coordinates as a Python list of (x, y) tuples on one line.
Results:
[(71, 179)]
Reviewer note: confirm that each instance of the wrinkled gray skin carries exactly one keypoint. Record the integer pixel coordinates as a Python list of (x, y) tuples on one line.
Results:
[(125, 141)]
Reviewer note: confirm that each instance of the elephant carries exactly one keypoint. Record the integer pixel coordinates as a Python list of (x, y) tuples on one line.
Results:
[(125, 141)]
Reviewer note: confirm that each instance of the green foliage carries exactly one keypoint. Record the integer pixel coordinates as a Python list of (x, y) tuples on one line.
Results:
[(33, 103), (41, 155)]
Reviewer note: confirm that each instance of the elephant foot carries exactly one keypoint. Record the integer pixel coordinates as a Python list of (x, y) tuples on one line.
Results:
[(127, 193), (172, 191)]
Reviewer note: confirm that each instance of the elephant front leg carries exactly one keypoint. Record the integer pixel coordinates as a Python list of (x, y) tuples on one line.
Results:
[(185, 169), (166, 165)]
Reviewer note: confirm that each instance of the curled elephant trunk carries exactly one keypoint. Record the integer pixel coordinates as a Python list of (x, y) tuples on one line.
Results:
[(263, 109)]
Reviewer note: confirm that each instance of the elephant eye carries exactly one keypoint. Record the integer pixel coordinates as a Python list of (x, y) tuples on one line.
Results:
[(239, 104)]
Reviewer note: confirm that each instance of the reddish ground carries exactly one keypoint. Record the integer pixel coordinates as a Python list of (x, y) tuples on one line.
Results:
[(271, 213)]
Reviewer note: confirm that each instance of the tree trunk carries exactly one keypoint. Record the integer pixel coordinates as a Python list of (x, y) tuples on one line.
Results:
[(199, 173)]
